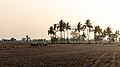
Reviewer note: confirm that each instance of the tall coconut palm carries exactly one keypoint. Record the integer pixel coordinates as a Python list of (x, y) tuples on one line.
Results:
[(52, 33), (68, 27), (55, 30), (89, 27), (98, 30), (109, 32), (61, 28), (27, 38), (64, 30), (78, 29)]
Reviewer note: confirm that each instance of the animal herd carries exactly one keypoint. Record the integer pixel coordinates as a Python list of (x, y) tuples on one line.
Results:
[(39, 44)]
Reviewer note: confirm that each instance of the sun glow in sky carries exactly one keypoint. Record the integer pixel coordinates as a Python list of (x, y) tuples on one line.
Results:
[(19, 18)]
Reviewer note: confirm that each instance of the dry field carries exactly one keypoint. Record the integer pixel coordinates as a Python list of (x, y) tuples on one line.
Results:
[(60, 55)]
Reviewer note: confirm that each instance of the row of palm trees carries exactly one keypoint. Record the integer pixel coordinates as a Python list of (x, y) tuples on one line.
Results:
[(99, 33), (62, 27)]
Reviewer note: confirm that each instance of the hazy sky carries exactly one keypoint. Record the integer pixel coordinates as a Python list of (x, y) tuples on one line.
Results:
[(33, 17)]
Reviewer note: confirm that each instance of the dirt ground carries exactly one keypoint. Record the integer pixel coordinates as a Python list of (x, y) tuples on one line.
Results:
[(60, 55)]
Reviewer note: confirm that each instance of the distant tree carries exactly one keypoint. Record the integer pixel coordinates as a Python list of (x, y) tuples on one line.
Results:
[(61, 27), (51, 32), (68, 27), (104, 33), (12, 39), (55, 31), (64, 30), (23, 39), (117, 33), (114, 36), (98, 30), (83, 35), (89, 27), (79, 28), (53, 39), (5, 39), (27, 38), (109, 33)]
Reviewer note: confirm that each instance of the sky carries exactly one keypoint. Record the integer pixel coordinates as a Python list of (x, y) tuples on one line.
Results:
[(19, 18)]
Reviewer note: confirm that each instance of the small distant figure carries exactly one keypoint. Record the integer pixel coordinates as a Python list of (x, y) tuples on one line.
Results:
[(34, 44), (39, 44), (45, 44)]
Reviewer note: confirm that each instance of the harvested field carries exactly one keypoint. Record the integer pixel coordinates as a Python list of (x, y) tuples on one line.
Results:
[(60, 55)]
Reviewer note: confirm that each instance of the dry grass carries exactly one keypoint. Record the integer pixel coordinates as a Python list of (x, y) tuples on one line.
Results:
[(60, 55)]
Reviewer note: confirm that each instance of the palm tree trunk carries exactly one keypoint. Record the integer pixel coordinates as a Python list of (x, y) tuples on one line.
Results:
[(88, 35), (79, 38), (55, 38), (51, 38), (64, 36), (61, 41), (67, 37), (95, 37)]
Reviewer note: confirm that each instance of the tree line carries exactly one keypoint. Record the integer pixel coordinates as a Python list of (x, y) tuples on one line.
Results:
[(81, 33)]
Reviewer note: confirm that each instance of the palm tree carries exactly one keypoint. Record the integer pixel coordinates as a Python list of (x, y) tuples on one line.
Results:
[(64, 29), (51, 32), (109, 32), (89, 27), (61, 28), (55, 30), (79, 28), (104, 33), (117, 34), (83, 36), (97, 30), (27, 38), (68, 27), (114, 36), (83, 29)]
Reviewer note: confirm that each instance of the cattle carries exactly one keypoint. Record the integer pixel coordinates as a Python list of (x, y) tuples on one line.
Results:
[(34, 44), (44, 44), (38, 44)]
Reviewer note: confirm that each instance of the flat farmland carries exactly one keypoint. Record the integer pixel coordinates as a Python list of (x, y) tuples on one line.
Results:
[(60, 55)]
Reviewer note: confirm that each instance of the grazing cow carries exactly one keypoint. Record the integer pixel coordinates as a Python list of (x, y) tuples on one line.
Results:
[(44, 44), (38, 44), (34, 44)]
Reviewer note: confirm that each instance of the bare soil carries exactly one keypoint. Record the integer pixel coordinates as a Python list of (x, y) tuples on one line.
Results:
[(60, 55)]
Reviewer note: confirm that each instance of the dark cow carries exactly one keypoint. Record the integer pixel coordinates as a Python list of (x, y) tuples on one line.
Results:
[(38, 44), (44, 44), (34, 44)]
